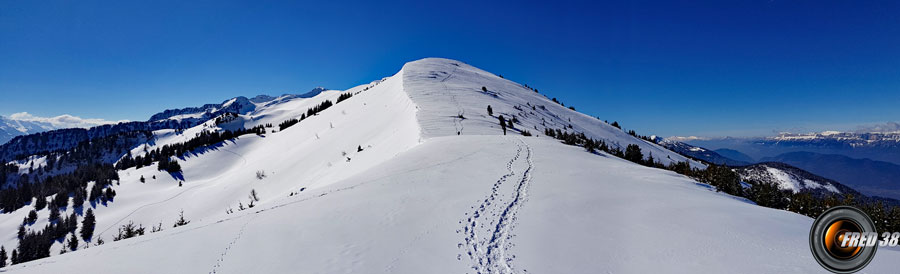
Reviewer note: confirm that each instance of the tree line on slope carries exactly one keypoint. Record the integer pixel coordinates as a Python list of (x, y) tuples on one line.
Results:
[(725, 179), (313, 111)]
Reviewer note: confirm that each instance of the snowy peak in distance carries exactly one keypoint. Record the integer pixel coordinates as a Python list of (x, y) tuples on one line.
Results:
[(852, 138), (263, 98), (10, 128), (239, 105), (24, 123), (699, 153)]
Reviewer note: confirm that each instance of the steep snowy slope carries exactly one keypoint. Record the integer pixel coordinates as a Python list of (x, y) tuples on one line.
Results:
[(516, 204), (315, 152), (446, 89)]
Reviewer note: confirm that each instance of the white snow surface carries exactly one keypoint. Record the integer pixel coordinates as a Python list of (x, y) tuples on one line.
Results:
[(420, 199), (444, 89)]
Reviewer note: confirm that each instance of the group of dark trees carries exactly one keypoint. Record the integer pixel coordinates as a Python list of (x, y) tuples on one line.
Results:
[(86, 165), (35, 244), (226, 117), (129, 230), (344, 96), (8, 170), (288, 123), (166, 152), (318, 108), (170, 166), (63, 185), (313, 111)]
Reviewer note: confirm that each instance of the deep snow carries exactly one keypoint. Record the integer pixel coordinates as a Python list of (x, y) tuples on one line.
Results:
[(420, 199)]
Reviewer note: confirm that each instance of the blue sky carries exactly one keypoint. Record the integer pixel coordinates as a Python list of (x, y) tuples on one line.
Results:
[(701, 68)]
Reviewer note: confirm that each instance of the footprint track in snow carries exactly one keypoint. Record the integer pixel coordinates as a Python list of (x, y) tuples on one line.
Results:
[(218, 265), (490, 254)]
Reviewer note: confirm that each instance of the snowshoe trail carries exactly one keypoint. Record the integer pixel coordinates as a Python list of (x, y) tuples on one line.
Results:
[(218, 265), (495, 218)]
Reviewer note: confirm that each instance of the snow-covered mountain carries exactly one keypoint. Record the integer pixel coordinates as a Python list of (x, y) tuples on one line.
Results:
[(793, 179), (699, 153), (36, 137), (876, 178), (413, 175), (23, 123), (881, 145), (10, 128), (239, 105), (865, 160)]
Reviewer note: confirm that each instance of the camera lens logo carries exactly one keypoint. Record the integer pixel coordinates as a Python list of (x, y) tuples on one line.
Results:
[(843, 239)]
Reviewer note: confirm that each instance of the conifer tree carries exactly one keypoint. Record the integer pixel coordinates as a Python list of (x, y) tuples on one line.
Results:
[(73, 242), (87, 225), (41, 203), (3, 257), (72, 222), (633, 153), (490, 111), (502, 123), (32, 216)]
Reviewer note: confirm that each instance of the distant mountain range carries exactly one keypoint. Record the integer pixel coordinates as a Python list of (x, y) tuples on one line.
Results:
[(786, 176), (10, 128), (28, 137), (700, 153), (880, 146), (239, 105), (868, 162), (876, 178), (24, 123), (735, 155)]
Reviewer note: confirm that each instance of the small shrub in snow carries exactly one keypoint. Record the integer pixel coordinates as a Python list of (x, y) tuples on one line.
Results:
[(129, 230), (181, 221)]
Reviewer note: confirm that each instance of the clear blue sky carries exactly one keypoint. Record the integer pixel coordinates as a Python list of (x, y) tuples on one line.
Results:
[(697, 68)]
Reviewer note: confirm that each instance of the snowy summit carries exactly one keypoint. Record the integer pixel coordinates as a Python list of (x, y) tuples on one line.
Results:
[(413, 173)]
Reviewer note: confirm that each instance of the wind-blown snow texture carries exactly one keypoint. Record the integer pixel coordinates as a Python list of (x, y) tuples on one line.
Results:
[(420, 199)]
